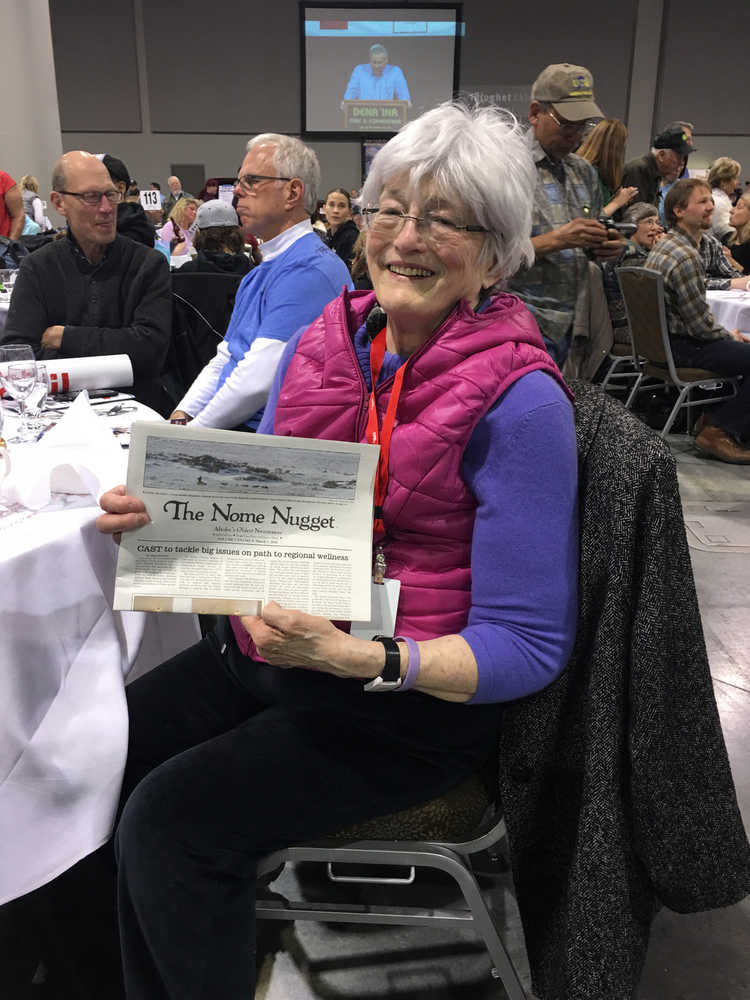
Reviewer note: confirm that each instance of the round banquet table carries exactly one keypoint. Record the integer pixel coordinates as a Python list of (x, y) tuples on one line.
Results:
[(731, 309), (65, 656)]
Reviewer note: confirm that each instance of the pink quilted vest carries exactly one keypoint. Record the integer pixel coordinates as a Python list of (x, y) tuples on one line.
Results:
[(449, 385)]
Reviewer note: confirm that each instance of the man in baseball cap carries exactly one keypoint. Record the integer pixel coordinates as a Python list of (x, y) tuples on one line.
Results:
[(570, 91), (655, 172), (675, 138), (567, 206)]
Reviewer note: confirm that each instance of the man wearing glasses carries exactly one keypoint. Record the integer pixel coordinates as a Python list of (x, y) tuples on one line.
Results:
[(276, 193), (94, 292), (567, 204)]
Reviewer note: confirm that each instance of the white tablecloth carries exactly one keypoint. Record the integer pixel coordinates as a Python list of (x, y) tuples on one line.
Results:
[(64, 655), (731, 309)]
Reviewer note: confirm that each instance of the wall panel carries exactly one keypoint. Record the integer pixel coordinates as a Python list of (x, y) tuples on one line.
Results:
[(237, 71), (704, 76), (95, 65)]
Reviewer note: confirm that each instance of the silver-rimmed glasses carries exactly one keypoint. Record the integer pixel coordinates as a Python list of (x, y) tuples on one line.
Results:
[(582, 126), (251, 181), (432, 226)]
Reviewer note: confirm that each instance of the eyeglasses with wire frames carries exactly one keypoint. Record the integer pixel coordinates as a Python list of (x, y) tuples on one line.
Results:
[(251, 181), (93, 198), (437, 228), (581, 126)]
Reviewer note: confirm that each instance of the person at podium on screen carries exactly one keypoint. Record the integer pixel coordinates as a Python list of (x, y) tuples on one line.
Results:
[(377, 80)]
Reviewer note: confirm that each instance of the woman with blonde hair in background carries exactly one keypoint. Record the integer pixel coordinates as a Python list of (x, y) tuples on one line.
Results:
[(176, 231), (739, 220), (604, 149), (32, 203), (722, 179)]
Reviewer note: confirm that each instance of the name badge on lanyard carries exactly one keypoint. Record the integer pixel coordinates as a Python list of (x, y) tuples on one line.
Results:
[(385, 592)]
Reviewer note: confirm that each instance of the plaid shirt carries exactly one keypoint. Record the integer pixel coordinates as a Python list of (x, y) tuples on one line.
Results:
[(719, 272), (676, 257), (550, 286)]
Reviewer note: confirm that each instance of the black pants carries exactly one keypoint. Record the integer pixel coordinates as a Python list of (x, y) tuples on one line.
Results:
[(218, 774), (725, 357)]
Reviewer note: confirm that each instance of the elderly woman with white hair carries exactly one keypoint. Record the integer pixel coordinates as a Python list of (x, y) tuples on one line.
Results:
[(283, 727)]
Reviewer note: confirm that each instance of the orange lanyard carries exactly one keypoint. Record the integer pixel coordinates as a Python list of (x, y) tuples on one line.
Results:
[(376, 434)]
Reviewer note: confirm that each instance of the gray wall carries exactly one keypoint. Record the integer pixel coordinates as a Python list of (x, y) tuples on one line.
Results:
[(185, 88), (29, 121)]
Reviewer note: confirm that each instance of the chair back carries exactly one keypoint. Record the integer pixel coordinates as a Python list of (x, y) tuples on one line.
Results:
[(202, 304), (643, 294)]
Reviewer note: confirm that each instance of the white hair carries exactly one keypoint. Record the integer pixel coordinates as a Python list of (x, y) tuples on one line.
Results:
[(477, 156), (292, 158)]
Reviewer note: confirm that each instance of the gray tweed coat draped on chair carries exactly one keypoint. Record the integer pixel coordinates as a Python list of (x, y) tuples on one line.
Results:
[(615, 779)]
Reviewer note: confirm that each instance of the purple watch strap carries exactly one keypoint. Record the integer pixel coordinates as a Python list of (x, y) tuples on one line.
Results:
[(412, 670)]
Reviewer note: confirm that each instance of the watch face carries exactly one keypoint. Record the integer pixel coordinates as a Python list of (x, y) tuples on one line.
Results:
[(390, 676)]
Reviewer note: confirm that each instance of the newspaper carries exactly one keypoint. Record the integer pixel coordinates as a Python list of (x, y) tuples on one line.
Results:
[(238, 520)]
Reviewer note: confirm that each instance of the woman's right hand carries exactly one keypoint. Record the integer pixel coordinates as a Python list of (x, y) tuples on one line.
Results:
[(122, 513)]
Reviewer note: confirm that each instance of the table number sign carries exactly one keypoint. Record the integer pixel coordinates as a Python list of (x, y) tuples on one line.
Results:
[(150, 200)]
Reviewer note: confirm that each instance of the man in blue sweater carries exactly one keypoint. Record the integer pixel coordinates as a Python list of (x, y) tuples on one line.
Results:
[(276, 192), (377, 80)]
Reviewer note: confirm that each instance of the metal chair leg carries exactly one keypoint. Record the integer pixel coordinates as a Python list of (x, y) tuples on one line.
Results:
[(674, 411), (634, 390)]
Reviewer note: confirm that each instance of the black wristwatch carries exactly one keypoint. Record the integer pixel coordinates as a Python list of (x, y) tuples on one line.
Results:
[(390, 678)]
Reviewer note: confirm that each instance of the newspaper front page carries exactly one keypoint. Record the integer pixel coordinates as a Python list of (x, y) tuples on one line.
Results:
[(238, 520)]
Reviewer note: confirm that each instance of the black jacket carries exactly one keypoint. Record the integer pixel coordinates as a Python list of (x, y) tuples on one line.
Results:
[(203, 299), (643, 174), (615, 780), (133, 222), (343, 240), (120, 306), (741, 253)]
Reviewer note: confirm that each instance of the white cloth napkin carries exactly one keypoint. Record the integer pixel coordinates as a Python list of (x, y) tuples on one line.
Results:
[(78, 455)]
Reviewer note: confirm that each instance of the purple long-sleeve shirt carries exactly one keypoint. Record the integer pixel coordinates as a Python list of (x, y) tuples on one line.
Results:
[(521, 465)]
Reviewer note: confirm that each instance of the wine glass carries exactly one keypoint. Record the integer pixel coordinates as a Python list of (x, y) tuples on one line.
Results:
[(13, 352), (20, 378)]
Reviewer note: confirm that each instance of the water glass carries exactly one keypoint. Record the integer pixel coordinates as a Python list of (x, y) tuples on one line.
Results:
[(37, 399)]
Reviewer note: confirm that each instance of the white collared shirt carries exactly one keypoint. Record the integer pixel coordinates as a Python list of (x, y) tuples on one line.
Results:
[(273, 247)]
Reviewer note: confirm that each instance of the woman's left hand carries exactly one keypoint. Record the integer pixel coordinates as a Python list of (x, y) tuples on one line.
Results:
[(624, 195), (295, 639)]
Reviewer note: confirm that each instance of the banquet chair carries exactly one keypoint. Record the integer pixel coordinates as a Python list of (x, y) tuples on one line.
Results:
[(202, 305), (643, 295), (623, 366), (444, 835), (614, 780)]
